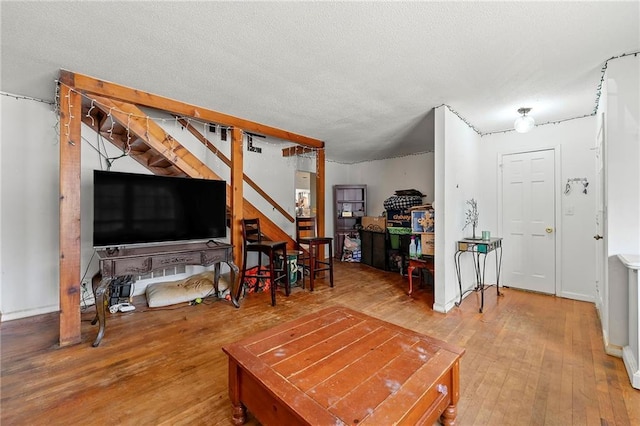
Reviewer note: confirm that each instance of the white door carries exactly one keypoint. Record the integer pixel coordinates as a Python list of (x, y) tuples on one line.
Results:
[(528, 221)]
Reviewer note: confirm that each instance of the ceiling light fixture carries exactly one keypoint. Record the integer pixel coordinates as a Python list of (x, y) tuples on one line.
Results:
[(525, 122)]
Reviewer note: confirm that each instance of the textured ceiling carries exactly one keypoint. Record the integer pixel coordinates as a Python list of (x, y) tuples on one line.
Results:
[(362, 76)]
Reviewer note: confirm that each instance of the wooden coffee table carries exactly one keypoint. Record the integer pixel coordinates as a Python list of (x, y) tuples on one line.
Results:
[(338, 366)]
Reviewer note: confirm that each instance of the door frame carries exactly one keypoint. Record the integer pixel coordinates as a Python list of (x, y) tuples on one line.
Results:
[(557, 170)]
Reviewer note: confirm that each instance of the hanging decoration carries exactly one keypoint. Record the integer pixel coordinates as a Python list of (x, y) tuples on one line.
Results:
[(569, 186)]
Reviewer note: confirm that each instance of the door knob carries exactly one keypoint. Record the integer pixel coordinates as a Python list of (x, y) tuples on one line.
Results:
[(549, 229), (597, 237)]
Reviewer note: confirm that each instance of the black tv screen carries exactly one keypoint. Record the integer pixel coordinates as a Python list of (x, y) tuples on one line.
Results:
[(131, 208)]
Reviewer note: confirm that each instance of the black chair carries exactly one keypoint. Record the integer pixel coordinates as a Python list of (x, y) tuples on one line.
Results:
[(276, 252), (310, 245)]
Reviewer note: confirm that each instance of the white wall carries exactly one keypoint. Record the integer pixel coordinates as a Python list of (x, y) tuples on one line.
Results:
[(620, 106), (1, 226), (30, 210), (623, 148), (384, 177), (573, 141), (457, 179)]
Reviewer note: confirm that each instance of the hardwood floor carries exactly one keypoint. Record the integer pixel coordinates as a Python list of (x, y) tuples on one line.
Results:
[(530, 359)]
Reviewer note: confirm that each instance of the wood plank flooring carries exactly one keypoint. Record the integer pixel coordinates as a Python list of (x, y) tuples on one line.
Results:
[(530, 359)]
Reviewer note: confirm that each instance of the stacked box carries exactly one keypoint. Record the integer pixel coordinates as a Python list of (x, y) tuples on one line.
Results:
[(423, 220), (374, 223), (398, 219), (427, 241)]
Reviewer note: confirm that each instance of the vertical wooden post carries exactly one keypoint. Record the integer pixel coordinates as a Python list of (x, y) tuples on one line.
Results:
[(70, 119), (237, 194), (320, 193)]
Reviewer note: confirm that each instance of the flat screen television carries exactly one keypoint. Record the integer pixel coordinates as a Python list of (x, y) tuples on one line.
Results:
[(131, 208)]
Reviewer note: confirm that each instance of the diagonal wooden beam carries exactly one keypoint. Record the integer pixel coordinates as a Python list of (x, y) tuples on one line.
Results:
[(145, 158), (152, 134), (226, 161), (111, 90)]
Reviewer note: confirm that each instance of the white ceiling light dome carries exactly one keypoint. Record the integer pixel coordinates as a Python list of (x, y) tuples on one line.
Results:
[(525, 122)]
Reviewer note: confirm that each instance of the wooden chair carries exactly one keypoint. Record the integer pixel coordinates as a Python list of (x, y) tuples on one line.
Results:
[(310, 245), (276, 252)]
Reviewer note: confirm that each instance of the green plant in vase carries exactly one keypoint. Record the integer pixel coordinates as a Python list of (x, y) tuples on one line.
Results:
[(471, 216)]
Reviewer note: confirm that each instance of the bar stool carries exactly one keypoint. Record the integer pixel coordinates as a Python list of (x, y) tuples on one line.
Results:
[(309, 242), (276, 251)]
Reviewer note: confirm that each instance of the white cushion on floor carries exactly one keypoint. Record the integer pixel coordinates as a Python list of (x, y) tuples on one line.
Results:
[(184, 290)]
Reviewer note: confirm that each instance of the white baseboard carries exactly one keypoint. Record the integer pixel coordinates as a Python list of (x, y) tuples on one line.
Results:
[(577, 296), (609, 349), (9, 316), (446, 307), (631, 364)]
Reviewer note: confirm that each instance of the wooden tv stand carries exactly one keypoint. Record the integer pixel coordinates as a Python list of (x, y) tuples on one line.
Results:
[(141, 260)]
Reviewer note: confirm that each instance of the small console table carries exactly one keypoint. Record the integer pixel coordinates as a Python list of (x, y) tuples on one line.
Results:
[(141, 260), (479, 248)]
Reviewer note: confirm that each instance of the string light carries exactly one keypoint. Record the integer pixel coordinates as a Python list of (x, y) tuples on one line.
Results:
[(128, 150), (378, 159), (110, 131), (68, 125), (89, 113), (602, 75), (306, 150), (464, 120), (29, 98)]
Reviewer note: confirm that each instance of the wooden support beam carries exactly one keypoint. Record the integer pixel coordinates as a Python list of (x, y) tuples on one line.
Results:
[(96, 86), (320, 191), (70, 119), (237, 196)]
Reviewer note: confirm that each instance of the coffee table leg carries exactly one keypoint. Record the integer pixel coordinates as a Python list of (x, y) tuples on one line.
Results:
[(239, 414), (238, 411), (448, 418)]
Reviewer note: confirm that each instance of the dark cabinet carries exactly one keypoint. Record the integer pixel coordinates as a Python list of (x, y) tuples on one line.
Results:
[(374, 248)]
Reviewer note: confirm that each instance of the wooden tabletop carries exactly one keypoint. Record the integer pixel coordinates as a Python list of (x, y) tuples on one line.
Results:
[(342, 366)]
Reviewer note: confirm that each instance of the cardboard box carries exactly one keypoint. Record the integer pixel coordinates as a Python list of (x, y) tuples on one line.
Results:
[(423, 220), (427, 243), (398, 219), (374, 223)]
